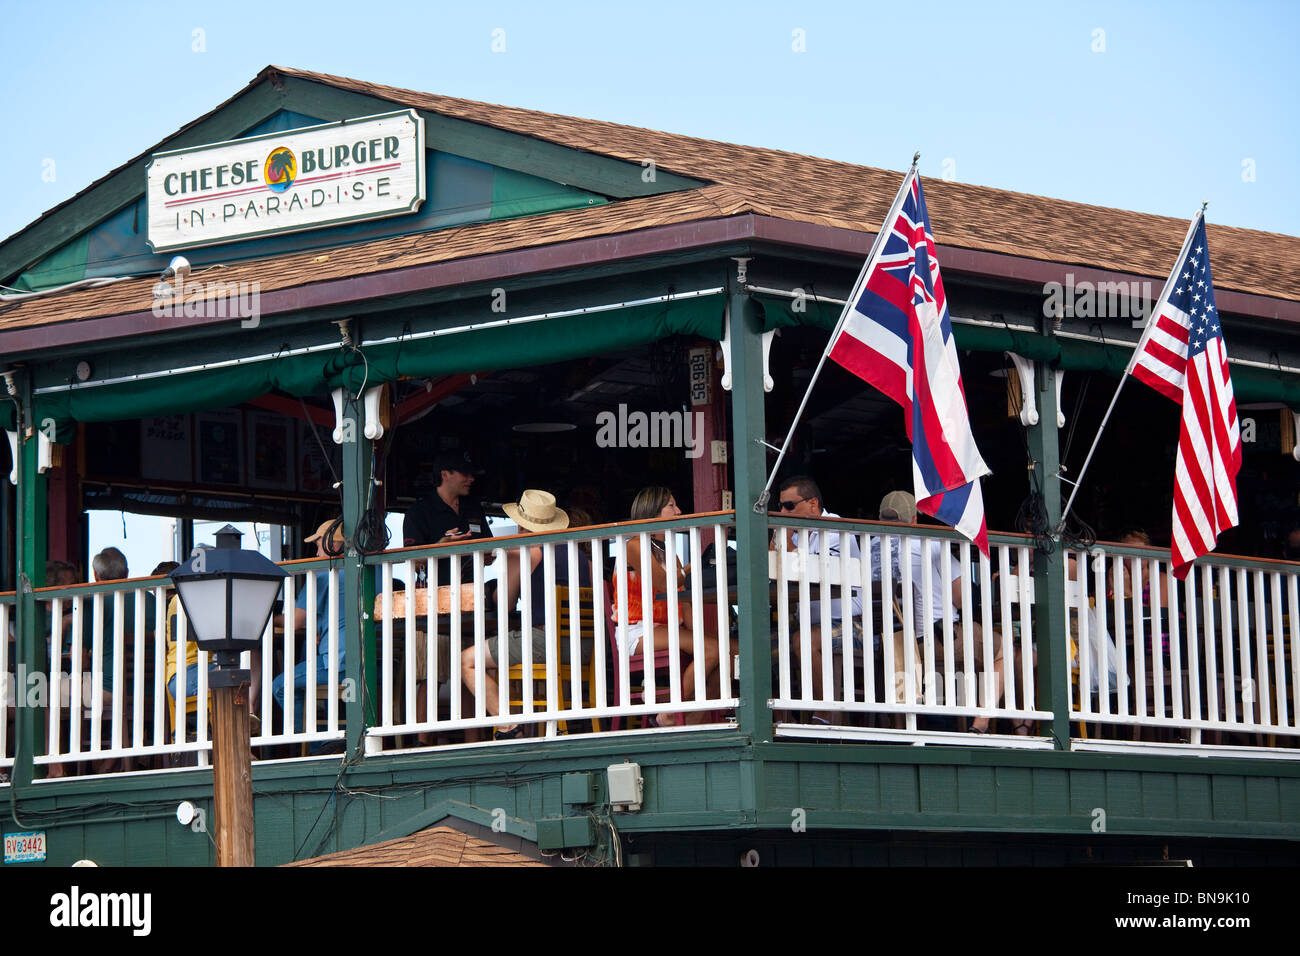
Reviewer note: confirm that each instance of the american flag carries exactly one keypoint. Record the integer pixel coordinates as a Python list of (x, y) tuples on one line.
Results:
[(897, 326), (1182, 356)]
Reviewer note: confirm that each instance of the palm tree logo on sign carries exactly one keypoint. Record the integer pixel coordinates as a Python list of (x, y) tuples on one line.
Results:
[(281, 169)]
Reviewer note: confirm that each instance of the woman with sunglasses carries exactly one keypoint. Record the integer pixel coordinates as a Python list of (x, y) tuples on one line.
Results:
[(658, 502)]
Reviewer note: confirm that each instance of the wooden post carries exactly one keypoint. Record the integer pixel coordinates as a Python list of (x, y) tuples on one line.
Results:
[(1052, 643), (361, 708), (232, 775), (32, 648), (749, 461)]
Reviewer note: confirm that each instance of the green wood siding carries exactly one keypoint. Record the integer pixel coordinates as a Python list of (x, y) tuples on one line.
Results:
[(859, 805)]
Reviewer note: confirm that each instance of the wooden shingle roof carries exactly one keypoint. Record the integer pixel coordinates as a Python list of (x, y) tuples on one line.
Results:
[(741, 179), (827, 192), (382, 255), (436, 846)]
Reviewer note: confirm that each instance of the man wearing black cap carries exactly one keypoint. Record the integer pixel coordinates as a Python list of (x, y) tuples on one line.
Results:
[(448, 514)]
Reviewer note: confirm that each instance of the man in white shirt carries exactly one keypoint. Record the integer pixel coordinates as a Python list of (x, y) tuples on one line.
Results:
[(799, 497), (901, 506)]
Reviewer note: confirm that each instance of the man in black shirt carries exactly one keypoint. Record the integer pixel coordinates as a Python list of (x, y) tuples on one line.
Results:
[(448, 514)]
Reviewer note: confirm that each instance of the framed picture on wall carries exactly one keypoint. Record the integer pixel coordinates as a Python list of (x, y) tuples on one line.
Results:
[(165, 448), (270, 449), (219, 448)]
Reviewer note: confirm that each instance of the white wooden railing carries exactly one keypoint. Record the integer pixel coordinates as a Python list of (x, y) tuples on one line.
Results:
[(9, 686), (603, 693), (1210, 663), (1221, 674), (126, 717), (811, 579)]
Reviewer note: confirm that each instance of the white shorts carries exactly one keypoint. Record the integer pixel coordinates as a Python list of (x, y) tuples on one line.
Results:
[(632, 637)]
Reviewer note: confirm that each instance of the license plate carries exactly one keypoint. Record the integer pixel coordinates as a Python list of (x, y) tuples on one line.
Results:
[(25, 847)]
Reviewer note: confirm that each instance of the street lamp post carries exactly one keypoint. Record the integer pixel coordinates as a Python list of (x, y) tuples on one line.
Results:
[(228, 595)]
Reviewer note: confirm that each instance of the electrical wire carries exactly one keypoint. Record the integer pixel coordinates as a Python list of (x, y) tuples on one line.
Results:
[(315, 434), (17, 295), (1076, 531), (1031, 518)]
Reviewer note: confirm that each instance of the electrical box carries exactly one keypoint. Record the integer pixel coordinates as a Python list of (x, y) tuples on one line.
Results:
[(625, 786), (550, 834), (578, 788), (559, 832), (718, 449)]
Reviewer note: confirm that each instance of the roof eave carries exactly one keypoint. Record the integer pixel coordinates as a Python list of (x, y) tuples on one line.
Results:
[(656, 240)]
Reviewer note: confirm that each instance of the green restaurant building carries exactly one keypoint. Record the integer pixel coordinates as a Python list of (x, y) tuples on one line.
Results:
[(289, 308)]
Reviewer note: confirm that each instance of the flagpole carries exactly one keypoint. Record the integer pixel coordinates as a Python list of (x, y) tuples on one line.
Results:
[(1137, 352), (761, 504)]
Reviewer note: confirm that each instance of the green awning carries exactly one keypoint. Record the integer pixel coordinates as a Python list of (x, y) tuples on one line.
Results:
[(509, 346), (1249, 384)]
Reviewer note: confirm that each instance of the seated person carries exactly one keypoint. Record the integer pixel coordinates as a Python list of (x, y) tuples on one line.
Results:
[(799, 497), (448, 515), (1137, 538), (190, 685), (110, 565), (334, 531), (658, 502), (60, 574), (536, 511), (901, 506)]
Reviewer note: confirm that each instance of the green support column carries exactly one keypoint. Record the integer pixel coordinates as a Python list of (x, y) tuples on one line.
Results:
[(358, 580), (750, 469), (1049, 569), (31, 553)]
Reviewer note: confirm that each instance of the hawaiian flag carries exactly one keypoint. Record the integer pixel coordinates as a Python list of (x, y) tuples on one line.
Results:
[(1182, 356), (897, 336)]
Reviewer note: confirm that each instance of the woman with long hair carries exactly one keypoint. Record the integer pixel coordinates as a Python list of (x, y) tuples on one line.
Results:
[(658, 502)]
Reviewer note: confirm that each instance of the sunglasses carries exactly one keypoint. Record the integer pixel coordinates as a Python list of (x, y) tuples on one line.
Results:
[(790, 505)]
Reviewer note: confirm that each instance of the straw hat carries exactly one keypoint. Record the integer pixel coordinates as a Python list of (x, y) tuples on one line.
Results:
[(324, 527), (898, 506), (536, 511)]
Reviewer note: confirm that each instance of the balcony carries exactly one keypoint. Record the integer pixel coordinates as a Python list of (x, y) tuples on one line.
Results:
[(1204, 667)]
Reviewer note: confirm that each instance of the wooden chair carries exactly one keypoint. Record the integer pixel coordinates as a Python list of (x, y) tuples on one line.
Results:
[(564, 671), (636, 675)]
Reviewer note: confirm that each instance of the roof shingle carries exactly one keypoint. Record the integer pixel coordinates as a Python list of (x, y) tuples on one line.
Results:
[(436, 846)]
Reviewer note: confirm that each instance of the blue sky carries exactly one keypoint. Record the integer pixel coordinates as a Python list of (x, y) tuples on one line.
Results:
[(1157, 111)]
